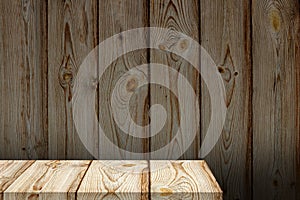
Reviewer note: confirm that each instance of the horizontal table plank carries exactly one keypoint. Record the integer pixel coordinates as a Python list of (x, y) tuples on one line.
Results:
[(10, 170), (53, 179), (183, 180), (124, 179), (108, 179)]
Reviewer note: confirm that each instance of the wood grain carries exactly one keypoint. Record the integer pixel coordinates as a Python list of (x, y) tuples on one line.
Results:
[(254, 43), (115, 180), (182, 179), (181, 16), (115, 17), (10, 170), (275, 99), (107, 179), (48, 179), (225, 34), (23, 80), (72, 34)]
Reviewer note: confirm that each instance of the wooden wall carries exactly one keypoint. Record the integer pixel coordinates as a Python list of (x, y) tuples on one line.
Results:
[(255, 44)]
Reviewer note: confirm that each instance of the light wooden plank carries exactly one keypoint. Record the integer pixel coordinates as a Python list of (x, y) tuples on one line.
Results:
[(72, 34), (182, 179), (124, 179), (10, 170), (48, 180), (276, 99), (115, 17), (181, 16), (23, 80), (225, 34)]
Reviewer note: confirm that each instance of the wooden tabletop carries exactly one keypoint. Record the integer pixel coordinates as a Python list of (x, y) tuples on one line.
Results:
[(107, 179)]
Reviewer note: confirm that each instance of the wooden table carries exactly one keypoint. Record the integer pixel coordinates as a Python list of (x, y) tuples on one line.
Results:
[(126, 179)]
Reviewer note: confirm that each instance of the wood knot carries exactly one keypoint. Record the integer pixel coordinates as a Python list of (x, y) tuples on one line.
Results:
[(162, 47), (37, 187), (183, 45), (226, 73), (275, 20), (94, 83), (26, 10), (221, 70), (166, 191), (129, 165), (131, 85), (66, 73), (53, 165)]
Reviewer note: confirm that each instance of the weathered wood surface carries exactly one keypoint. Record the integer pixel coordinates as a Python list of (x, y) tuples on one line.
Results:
[(255, 43), (181, 16), (116, 17), (23, 80), (182, 179), (48, 180), (72, 34), (115, 179), (276, 87), (10, 170), (225, 34)]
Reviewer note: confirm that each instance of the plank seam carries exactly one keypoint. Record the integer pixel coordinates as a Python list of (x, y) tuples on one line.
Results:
[(149, 99), (200, 85), (83, 178), (250, 129)]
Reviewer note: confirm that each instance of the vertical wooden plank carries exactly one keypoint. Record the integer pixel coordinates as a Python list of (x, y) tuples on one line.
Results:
[(115, 180), (72, 35), (225, 34), (10, 171), (115, 17), (297, 69), (275, 99), (23, 67), (181, 16), (48, 180)]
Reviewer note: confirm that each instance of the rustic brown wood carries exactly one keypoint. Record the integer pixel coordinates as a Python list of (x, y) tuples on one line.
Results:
[(23, 79), (115, 17), (115, 180), (181, 16), (48, 180), (72, 34), (275, 99), (183, 180), (10, 170), (225, 34), (42, 44)]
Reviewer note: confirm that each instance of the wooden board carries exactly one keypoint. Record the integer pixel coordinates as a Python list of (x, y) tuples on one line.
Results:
[(116, 180), (182, 180), (10, 170), (48, 179), (115, 17), (23, 80), (72, 34), (181, 16), (225, 34), (276, 99), (107, 179)]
